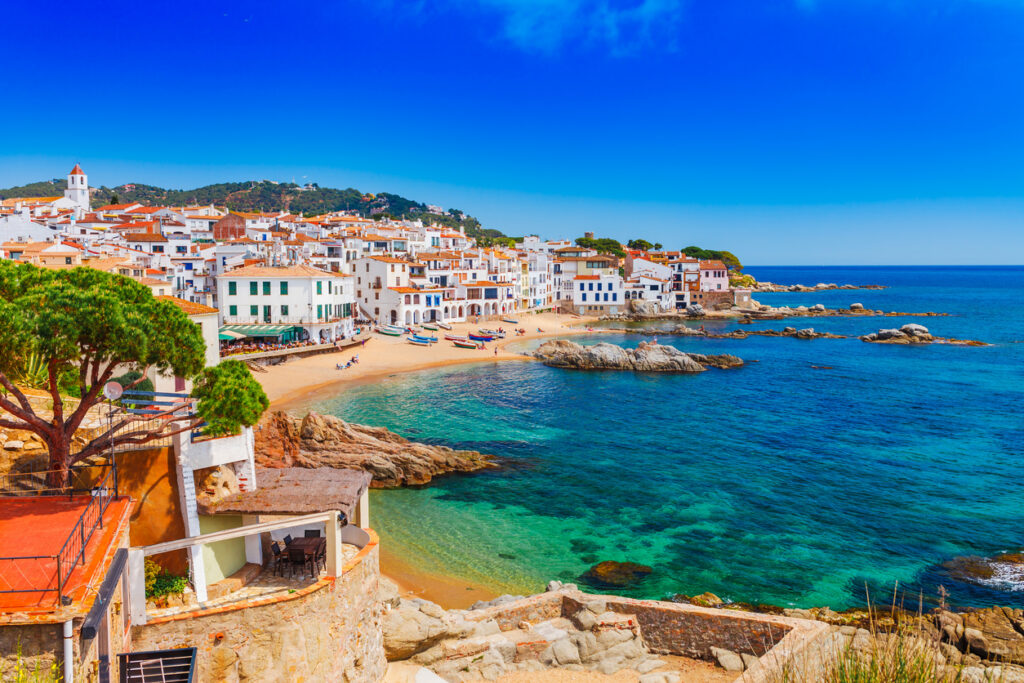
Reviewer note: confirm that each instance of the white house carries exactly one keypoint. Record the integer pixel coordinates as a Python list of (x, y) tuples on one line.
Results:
[(598, 293), (317, 305)]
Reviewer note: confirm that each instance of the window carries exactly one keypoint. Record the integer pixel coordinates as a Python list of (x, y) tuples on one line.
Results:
[(254, 288), (254, 310), (584, 297), (591, 288), (581, 286), (232, 288), (266, 313), (319, 288), (232, 311), (615, 296), (284, 311), (284, 287), (606, 296), (67, 260), (319, 311)]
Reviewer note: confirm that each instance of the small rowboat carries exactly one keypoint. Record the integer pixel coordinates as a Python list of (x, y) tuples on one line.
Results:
[(423, 337), (429, 326), (456, 337), (492, 333), (481, 337), (389, 332), (466, 344), (418, 342), (444, 326), (510, 321)]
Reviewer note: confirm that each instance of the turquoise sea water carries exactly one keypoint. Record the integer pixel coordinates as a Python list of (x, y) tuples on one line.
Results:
[(775, 482)]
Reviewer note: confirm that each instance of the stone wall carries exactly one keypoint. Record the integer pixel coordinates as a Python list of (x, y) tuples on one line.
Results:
[(329, 631), (37, 646)]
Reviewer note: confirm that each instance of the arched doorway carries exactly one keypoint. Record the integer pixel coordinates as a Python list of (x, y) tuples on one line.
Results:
[(408, 317)]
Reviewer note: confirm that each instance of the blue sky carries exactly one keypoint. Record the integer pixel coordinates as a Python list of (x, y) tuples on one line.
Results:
[(787, 131)]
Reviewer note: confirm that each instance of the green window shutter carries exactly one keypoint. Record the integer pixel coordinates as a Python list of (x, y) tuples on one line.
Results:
[(319, 288), (254, 310), (284, 287), (284, 311), (232, 310), (319, 310), (232, 288), (266, 289), (254, 288)]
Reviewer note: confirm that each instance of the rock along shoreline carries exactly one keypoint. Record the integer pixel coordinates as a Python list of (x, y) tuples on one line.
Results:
[(319, 440)]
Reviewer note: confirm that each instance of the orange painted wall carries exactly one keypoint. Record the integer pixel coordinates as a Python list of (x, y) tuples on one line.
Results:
[(149, 477)]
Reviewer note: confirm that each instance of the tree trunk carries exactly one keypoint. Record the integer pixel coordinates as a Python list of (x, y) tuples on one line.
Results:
[(60, 456)]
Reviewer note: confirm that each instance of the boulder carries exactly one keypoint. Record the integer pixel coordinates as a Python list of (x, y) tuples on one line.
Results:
[(820, 308), (889, 334), (914, 330), (13, 445), (612, 574), (727, 659), (694, 310), (856, 307), (408, 630), (646, 357)]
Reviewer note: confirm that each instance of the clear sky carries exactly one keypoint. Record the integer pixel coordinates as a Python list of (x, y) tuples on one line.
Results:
[(787, 131)]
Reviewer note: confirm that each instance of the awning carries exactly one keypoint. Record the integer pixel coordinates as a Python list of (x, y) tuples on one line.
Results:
[(228, 335), (256, 330)]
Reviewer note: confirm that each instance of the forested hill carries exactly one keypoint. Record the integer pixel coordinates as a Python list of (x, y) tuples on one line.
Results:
[(265, 195)]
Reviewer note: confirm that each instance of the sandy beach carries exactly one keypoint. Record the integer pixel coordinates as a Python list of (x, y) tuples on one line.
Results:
[(298, 383)]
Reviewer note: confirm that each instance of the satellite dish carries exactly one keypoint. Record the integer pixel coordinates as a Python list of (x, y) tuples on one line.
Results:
[(112, 391)]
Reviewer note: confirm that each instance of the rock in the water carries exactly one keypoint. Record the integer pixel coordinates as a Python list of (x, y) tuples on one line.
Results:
[(327, 441), (694, 310), (856, 307), (914, 330), (818, 307), (612, 574), (645, 357)]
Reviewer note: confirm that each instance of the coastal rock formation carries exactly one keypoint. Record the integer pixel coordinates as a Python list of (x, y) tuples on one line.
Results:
[(694, 310), (487, 642), (820, 287), (645, 358), (327, 441), (612, 574), (914, 334)]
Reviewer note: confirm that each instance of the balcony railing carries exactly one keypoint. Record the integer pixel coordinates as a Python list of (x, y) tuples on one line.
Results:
[(50, 573)]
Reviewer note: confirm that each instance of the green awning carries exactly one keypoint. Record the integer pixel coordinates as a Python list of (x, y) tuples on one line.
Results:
[(227, 335), (256, 330)]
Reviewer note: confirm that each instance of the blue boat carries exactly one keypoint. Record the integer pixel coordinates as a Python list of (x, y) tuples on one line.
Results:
[(481, 337), (419, 337)]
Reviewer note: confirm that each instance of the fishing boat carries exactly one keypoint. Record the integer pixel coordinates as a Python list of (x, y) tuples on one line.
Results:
[(423, 337), (493, 333), (444, 326), (429, 326), (456, 337), (389, 331), (417, 342), (466, 344), (510, 321), (481, 337)]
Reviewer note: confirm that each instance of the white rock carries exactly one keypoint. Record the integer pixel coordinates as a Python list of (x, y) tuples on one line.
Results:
[(13, 445), (727, 659)]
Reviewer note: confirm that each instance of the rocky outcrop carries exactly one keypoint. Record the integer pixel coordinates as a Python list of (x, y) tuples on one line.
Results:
[(914, 334), (487, 642), (641, 308), (327, 441), (694, 310), (646, 357), (820, 287)]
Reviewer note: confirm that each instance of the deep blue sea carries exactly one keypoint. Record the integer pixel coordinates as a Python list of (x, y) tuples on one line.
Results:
[(776, 482)]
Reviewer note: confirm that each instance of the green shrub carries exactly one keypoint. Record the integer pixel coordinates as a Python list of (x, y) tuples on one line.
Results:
[(159, 583)]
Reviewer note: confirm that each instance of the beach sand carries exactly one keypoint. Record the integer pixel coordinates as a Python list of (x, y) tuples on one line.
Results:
[(301, 381), (296, 384)]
